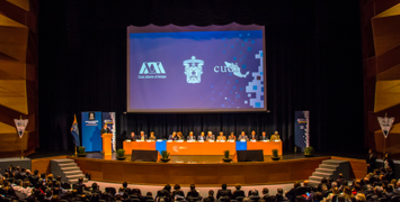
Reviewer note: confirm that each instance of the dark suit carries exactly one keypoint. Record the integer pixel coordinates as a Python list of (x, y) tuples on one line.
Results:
[(139, 137), (255, 137), (263, 138), (191, 137), (226, 192), (201, 137), (212, 137), (102, 131), (173, 138), (371, 160), (237, 193)]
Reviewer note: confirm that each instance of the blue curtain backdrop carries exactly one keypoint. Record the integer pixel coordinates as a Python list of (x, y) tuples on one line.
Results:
[(313, 59)]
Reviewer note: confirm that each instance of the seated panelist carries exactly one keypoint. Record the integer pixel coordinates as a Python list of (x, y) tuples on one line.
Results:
[(263, 136), (201, 136), (243, 136), (253, 135), (190, 136), (173, 136), (221, 136), (275, 136), (152, 136), (180, 135), (210, 136), (142, 136), (232, 136), (132, 137)]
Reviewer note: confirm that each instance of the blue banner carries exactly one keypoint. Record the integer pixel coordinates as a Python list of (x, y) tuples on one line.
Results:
[(109, 119), (161, 146), (91, 126), (241, 146), (302, 129)]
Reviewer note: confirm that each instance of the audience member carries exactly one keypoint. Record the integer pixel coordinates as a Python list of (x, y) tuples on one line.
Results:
[(224, 192)]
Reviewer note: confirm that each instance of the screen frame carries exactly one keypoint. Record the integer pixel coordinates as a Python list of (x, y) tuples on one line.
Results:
[(191, 28)]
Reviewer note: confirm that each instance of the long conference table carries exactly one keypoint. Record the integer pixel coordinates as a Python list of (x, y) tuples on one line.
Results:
[(202, 148)]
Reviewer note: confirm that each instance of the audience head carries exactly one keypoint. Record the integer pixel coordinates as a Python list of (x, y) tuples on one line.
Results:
[(167, 187), (121, 190), (238, 186), (177, 187), (306, 183), (296, 184), (192, 187), (360, 197), (253, 192), (211, 193), (279, 191), (246, 199), (223, 186), (94, 186), (124, 185), (265, 190), (80, 180), (317, 196)]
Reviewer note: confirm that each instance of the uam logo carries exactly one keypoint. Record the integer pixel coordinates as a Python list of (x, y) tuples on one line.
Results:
[(152, 70)]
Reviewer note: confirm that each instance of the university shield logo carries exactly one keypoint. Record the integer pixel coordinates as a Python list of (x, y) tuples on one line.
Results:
[(193, 70)]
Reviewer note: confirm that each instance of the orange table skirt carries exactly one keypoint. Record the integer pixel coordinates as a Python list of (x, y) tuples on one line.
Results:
[(129, 146), (203, 148)]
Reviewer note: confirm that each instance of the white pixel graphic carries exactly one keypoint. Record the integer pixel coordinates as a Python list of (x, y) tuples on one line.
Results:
[(256, 86)]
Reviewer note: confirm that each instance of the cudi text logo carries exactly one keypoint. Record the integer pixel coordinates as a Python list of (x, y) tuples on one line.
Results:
[(230, 67), (193, 70), (152, 70)]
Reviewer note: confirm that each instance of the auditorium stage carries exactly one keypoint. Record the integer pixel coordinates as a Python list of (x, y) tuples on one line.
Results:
[(206, 170), (199, 170)]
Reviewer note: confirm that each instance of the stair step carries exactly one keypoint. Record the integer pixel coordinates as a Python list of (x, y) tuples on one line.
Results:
[(71, 168), (333, 161), (329, 166), (314, 182), (325, 170), (66, 160), (315, 178), (74, 176), (73, 172), (67, 164), (321, 174)]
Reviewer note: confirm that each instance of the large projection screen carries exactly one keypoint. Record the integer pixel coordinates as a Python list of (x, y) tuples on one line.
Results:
[(196, 69)]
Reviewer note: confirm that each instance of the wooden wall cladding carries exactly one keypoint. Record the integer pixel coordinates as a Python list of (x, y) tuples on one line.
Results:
[(380, 21), (199, 174), (43, 164), (18, 78)]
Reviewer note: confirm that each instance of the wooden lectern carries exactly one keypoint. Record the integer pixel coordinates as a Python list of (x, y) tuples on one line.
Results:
[(107, 143)]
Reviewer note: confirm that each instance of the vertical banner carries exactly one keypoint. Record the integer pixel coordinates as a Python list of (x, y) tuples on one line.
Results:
[(302, 129), (91, 126), (386, 124), (109, 119), (20, 125)]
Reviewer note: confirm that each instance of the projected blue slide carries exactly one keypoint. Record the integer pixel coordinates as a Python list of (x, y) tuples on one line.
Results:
[(194, 70)]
